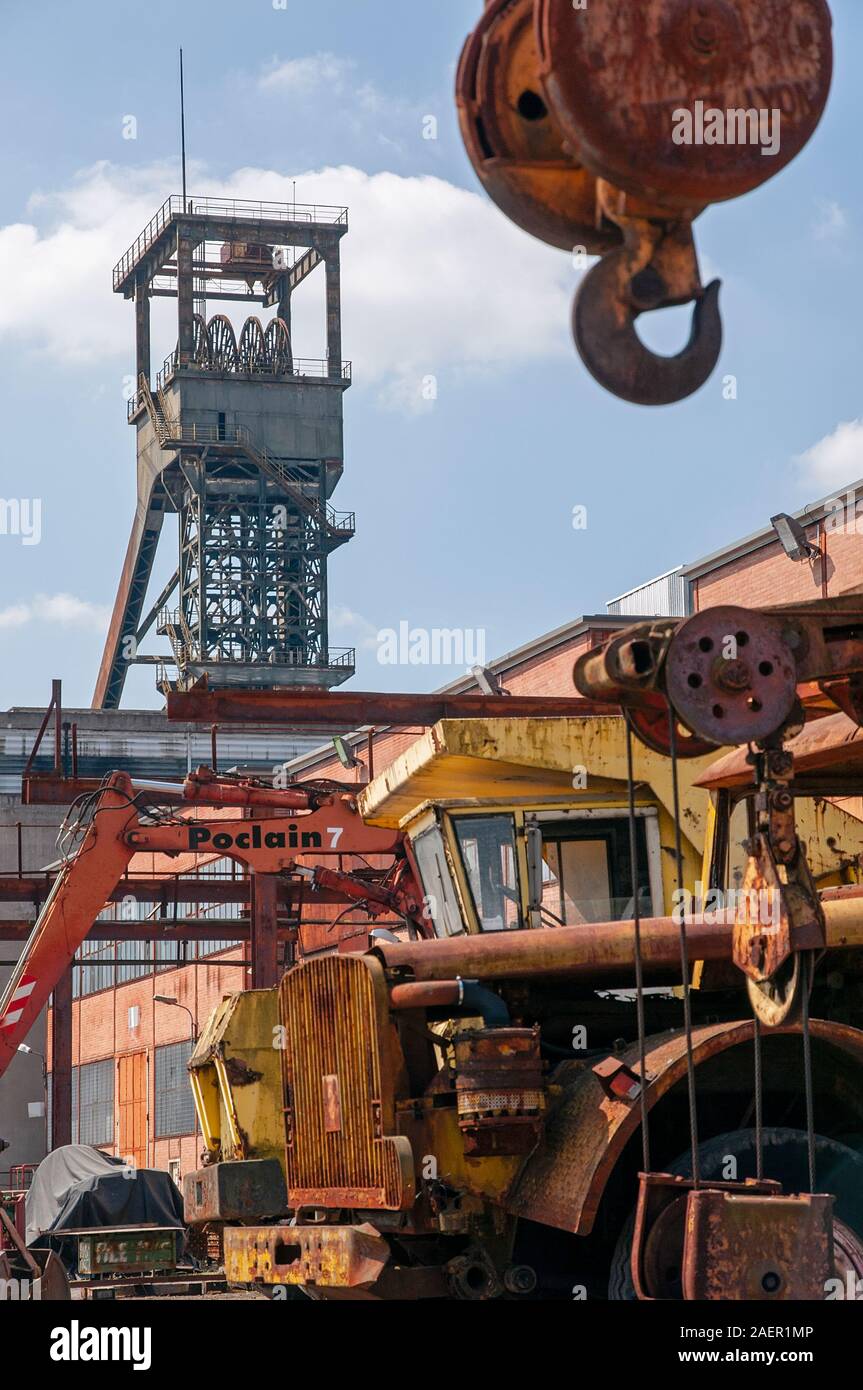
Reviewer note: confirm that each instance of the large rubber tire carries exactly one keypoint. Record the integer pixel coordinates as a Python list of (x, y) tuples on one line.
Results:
[(839, 1170)]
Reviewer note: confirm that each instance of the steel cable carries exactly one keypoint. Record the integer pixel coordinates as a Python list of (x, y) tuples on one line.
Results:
[(684, 955), (639, 966)]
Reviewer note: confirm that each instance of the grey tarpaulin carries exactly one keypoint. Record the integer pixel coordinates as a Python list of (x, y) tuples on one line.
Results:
[(78, 1186), (54, 1179)]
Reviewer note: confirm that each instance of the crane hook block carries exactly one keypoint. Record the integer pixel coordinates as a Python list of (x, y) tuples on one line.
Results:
[(603, 324), (685, 102), (512, 142)]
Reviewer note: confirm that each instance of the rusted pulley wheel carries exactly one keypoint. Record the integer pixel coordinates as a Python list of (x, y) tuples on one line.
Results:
[(731, 675), (512, 141), (643, 92), (777, 1002), (651, 727)]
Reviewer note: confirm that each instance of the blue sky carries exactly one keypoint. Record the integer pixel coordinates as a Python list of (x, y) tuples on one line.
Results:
[(464, 504)]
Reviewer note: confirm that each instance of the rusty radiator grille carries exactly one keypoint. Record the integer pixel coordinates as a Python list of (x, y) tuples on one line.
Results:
[(337, 1154)]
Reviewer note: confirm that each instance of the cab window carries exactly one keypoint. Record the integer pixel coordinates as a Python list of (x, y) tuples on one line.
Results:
[(487, 848), (587, 875), (441, 902)]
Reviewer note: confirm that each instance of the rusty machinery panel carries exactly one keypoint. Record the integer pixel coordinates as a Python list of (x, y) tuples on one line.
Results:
[(499, 1089), (336, 1063), (742, 1246)]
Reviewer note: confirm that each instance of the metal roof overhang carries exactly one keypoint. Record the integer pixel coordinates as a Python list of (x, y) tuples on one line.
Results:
[(827, 749), (512, 759)]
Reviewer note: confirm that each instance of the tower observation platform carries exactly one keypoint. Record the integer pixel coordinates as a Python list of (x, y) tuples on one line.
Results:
[(244, 441)]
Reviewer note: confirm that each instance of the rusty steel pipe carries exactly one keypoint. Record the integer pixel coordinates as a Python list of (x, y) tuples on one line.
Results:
[(211, 792), (597, 952), (426, 994)]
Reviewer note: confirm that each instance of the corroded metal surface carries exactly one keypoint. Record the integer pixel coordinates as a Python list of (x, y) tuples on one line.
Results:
[(499, 1090), (587, 1130), (349, 709), (757, 1248), (615, 75), (656, 268), (831, 745), (513, 143), (328, 1256), (337, 1072), (661, 1224), (601, 952), (731, 675)]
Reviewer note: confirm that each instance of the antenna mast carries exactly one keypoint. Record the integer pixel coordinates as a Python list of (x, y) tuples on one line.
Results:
[(183, 129)]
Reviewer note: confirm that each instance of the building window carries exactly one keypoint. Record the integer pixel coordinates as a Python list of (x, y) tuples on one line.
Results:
[(97, 971), (175, 1108), (130, 955), (93, 1103)]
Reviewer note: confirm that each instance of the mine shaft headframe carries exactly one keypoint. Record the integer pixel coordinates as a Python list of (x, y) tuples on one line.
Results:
[(732, 675), (605, 129)]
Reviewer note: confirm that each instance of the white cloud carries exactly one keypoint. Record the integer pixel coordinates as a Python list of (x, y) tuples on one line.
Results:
[(831, 223), (837, 459), (56, 609), (434, 278), (301, 76), (352, 628)]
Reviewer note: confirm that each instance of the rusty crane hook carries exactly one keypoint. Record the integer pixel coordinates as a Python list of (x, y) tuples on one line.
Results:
[(656, 268)]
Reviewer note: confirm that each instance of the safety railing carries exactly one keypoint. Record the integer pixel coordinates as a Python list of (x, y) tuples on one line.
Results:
[(341, 657), (316, 368), (296, 656), (240, 208), (169, 366)]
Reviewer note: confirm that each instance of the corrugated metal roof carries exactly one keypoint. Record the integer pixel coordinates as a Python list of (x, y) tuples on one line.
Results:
[(663, 597)]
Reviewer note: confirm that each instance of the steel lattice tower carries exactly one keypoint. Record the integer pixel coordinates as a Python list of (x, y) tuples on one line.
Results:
[(244, 441)]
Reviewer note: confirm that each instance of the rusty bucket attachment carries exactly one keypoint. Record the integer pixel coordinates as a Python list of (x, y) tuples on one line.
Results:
[(660, 1232), (41, 1273), (757, 1248), (729, 1240)]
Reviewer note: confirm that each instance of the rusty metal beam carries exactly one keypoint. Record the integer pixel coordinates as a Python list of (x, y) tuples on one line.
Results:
[(264, 932), (166, 891), (351, 709), (61, 1061), (833, 744), (142, 331)]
